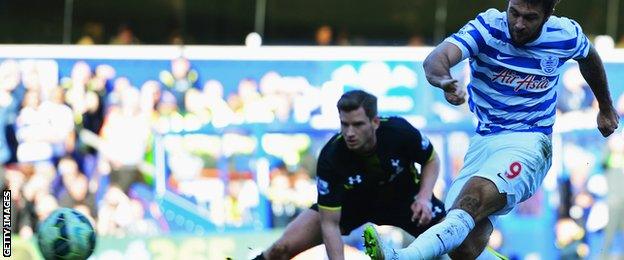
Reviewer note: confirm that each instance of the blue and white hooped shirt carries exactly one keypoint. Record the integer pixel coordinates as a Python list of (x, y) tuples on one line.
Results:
[(513, 88)]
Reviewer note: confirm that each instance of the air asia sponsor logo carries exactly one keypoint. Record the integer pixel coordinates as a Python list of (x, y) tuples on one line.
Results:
[(527, 82)]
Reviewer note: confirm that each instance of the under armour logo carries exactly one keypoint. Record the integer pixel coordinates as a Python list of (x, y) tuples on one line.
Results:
[(355, 179)]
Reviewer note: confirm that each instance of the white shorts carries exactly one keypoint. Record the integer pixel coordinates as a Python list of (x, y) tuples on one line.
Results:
[(515, 162)]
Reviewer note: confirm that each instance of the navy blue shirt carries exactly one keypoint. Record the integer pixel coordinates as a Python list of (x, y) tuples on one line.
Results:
[(387, 174)]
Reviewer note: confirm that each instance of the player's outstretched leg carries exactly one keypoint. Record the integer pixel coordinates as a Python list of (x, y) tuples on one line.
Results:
[(477, 200), (303, 233), (374, 246)]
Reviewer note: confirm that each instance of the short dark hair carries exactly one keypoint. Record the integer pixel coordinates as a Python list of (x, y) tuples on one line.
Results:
[(354, 99), (548, 5)]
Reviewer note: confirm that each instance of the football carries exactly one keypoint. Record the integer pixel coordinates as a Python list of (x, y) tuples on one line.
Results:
[(66, 234)]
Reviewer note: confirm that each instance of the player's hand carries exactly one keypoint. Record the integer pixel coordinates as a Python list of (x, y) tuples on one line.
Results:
[(608, 121), (453, 93), (421, 209)]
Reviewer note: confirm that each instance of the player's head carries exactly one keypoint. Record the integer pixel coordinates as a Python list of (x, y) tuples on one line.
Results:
[(525, 18), (358, 120)]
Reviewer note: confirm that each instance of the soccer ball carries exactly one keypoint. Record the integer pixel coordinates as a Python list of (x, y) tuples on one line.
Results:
[(66, 234)]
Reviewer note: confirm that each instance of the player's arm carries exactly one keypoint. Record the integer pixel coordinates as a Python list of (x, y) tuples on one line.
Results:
[(330, 220), (421, 207), (438, 63), (593, 71), (422, 152), (437, 67), (429, 175), (330, 191)]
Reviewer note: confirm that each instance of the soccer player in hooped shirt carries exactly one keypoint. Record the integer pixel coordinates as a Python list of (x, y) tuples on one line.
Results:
[(366, 174), (515, 59)]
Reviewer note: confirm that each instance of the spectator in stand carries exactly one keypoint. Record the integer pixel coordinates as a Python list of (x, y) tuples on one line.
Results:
[(45, 204), (615, 196), (124, 139), (75, 189), (119, 215), (304, 189), (620, 43), (280, 193), (242, 195), (109, 214), (169, 116), (6, 99), (342, 38), (576, 94), (150, 96), (32, 131), (416, 40), (249, 104), (60, 120), (221, 113), (14, 180), (76, 87), (36, 194), (125, 36), (569, 235), (179, 80), (324, 35), (100, 82), (113, 98), (176, 38), (88, 129), (197, 113), (11, 96), (92, 33)]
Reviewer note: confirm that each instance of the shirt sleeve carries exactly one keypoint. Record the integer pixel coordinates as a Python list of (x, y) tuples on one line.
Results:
[(328, 185), (420, 148), (468, 39), (582, 42)]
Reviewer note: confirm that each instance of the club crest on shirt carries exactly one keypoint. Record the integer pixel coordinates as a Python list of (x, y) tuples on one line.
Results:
[(549, 64), (396, 164)]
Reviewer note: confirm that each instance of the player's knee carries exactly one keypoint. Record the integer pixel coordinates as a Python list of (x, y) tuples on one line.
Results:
[(279, 250), (480, 198)]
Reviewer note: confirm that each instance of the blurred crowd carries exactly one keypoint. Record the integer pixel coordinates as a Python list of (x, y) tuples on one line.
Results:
[(322, 35), (86, 141)]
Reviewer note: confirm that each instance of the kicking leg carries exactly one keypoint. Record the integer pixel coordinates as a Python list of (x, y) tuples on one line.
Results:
[(303, 233), (478, 199)]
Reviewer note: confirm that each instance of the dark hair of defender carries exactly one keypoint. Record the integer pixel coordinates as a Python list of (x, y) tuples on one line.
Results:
[(355, 99)]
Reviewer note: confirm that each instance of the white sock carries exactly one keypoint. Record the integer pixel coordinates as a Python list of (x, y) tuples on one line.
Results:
[(390, 253), (440, 238)]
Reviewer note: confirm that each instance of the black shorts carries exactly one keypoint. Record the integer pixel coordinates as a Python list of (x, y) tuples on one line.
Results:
[(398, 214)]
